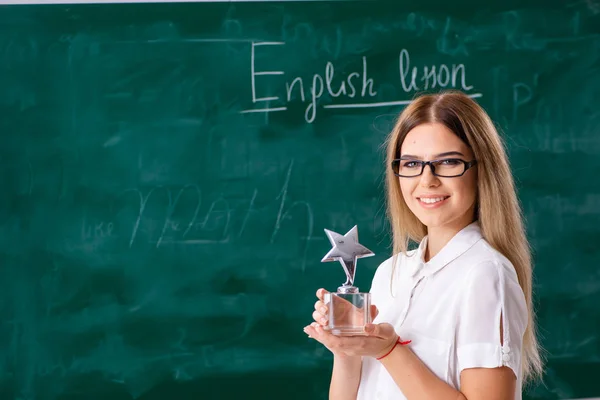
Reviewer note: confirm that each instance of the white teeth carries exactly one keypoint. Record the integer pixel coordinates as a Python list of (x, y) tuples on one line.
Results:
[(432, 200)]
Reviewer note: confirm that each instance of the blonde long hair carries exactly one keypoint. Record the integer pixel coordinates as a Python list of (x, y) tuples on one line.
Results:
[(498, 210)]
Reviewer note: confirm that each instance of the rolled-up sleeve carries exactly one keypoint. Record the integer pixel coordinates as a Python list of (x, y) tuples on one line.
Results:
[(491, 294)]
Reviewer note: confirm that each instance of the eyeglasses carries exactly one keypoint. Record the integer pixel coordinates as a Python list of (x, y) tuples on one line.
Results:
[(446, 168)]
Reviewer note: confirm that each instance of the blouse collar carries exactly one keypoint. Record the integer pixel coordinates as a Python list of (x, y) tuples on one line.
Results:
[(459, 244)]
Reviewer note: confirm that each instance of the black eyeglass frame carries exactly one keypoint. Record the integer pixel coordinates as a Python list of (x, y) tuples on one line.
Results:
[(396, 167)]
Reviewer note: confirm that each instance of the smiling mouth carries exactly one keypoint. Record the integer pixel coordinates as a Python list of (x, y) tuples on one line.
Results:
[(432, 200)]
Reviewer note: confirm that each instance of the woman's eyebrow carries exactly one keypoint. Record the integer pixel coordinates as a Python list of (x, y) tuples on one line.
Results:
[(448, 153)]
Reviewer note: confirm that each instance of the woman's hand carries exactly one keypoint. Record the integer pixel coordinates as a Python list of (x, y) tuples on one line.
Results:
[(379, 339)]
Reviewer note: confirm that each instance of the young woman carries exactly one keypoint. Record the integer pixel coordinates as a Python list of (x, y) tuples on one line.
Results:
[(454, 317)]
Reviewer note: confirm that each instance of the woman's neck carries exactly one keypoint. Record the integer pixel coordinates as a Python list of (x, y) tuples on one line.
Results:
[(438, 237)]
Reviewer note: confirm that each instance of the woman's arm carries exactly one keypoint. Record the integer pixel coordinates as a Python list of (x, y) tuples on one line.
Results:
[(417, 382), (412, 376), (345, 377), (490, 290)]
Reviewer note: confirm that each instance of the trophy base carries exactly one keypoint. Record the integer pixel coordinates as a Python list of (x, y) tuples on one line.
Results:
[(350, 331), (348, 313)]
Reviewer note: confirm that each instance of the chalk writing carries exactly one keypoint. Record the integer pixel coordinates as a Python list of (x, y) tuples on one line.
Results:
[(173, 204), (352, 85), (222, 221), (522, 94), (284, 213), (97, 230), (443, 78)]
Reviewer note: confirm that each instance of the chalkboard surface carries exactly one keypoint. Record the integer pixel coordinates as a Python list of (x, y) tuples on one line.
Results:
[(168, 169)]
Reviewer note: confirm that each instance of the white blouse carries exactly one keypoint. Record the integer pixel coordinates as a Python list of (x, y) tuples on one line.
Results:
[(450, 307)]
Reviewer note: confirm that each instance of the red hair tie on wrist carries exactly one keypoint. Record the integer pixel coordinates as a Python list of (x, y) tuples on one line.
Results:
[(398, 342)]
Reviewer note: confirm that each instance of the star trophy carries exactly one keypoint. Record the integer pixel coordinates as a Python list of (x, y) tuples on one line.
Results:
[(348, 309)]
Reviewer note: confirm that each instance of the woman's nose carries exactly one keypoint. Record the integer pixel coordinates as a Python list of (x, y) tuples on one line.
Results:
[(428, 179)]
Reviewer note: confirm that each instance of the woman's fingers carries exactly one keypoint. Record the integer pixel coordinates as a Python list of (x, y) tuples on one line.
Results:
[(311, 330), (321, 293), (321, 307), (317, 332), (319, 318), (348, 346), (374, 311)]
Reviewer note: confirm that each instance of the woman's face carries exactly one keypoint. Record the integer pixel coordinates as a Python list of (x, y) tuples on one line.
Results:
[(436, 201)]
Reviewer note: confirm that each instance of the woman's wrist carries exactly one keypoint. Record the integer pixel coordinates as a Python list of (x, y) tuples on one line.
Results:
[(343, 358), (388, 349), (347, 363), (398, 342)]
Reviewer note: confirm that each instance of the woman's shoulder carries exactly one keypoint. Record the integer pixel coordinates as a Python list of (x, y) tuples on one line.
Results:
[(488, 267), (485, 260)]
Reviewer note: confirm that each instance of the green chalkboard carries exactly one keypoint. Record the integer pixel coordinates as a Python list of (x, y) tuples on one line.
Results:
[(167, 171)]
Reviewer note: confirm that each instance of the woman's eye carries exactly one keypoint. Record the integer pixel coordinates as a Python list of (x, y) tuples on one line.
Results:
[(450, 161), (410, 164)]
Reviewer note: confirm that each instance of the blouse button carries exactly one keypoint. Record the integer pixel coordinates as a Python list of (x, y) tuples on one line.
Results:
[(506, 349), (506, 357)]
